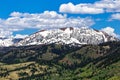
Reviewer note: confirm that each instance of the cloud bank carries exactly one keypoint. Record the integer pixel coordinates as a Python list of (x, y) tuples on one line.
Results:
[(115, 16), (46, 20), (110, 31), (20, 36), (103, 6)]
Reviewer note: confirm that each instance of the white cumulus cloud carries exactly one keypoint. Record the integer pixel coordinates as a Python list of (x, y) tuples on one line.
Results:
[(20, 36), (115, 16), (97, 7), (46, 20), (5, 33), (110, 31), (80, 9)]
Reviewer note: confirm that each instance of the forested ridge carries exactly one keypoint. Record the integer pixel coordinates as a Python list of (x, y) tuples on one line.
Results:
[(61, 62)]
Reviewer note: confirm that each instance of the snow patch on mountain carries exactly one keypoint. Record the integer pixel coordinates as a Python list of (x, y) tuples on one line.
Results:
[(6, 42), (69, 35)]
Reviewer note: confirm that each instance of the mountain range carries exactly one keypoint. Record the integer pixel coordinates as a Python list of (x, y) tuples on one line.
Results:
[(70, 35), (61, 54)]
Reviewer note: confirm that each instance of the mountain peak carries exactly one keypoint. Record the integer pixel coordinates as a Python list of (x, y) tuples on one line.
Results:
[(71, 28), (67, 35)]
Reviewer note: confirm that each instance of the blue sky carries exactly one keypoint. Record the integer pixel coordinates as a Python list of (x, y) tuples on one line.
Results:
[(101, 14)]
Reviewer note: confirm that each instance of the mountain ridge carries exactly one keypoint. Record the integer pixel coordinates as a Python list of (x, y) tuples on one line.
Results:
[(58, 62), (67, 35)]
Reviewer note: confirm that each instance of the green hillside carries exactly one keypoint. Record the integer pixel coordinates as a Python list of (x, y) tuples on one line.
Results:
[(61, 62)]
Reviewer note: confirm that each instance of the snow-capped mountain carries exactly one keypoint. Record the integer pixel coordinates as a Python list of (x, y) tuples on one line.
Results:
[(6, 42), (67, 36)]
